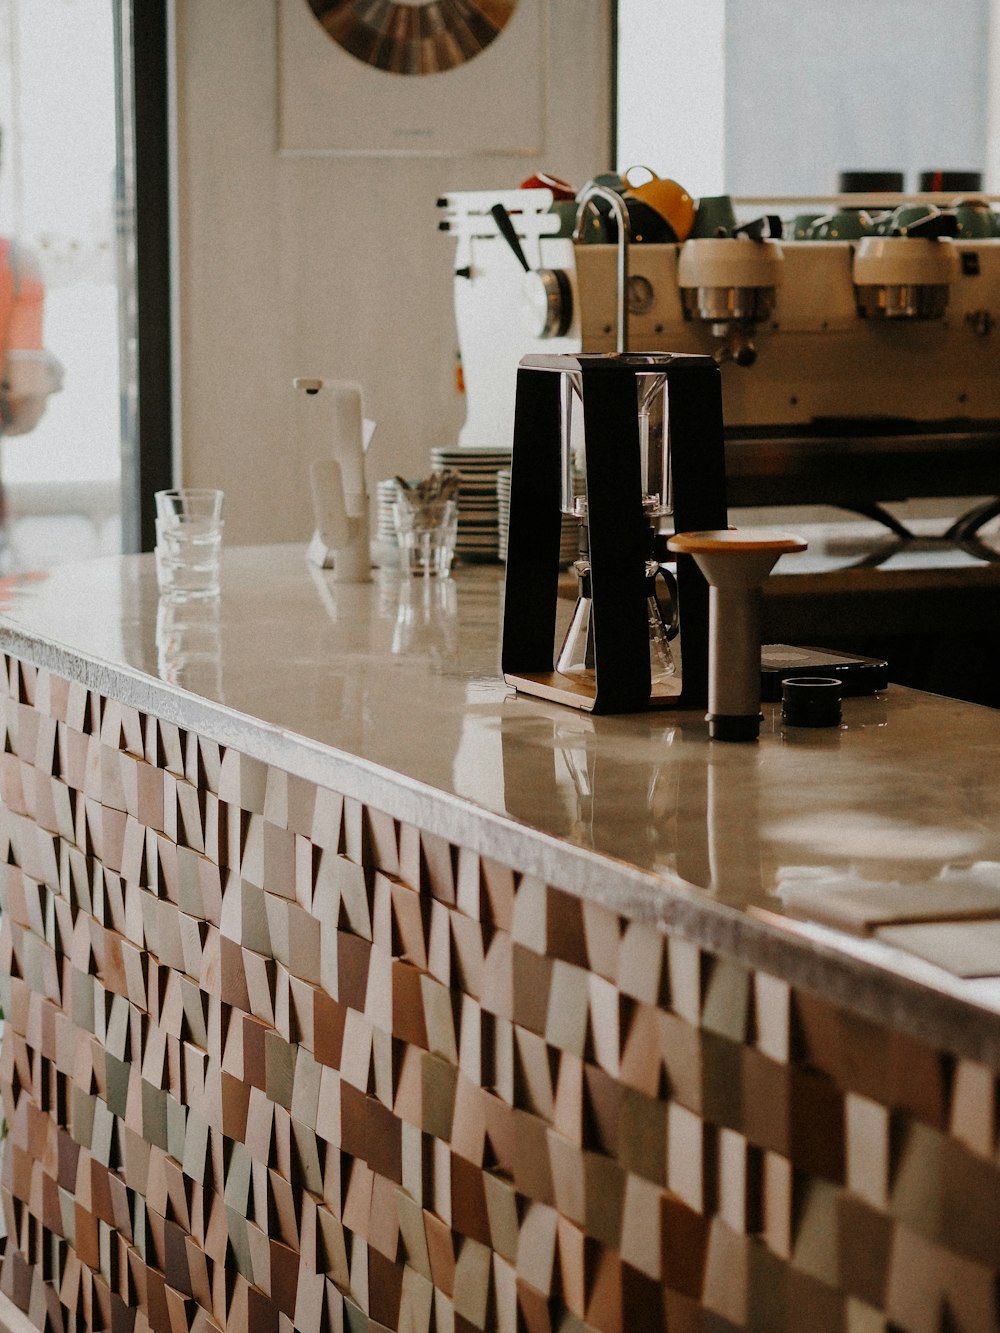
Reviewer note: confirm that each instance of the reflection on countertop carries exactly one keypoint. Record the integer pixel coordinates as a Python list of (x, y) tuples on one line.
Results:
[(403, 676)]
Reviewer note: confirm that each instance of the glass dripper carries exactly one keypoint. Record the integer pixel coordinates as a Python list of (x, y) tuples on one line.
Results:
[(576, 656)]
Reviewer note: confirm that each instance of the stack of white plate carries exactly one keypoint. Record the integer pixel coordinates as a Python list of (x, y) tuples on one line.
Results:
[(385, 548), (503, 511), (569, 544), (385, 498), (478, 516)]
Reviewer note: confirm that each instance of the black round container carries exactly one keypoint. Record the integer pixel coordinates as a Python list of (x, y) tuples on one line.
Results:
[(944, 182), (810, 701), (870, 182)]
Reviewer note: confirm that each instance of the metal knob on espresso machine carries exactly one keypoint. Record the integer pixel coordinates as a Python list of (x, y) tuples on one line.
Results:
[(645, 430)]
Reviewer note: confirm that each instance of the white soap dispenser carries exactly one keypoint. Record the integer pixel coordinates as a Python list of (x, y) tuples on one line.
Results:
[(337, 478)]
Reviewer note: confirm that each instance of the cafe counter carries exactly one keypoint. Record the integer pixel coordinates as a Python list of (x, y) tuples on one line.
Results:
[(346, 989)]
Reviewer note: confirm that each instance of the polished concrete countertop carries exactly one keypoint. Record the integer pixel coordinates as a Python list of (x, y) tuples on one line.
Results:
[(391, 691)]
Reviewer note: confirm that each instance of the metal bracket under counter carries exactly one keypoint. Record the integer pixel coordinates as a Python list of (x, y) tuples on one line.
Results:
[(859, 578)]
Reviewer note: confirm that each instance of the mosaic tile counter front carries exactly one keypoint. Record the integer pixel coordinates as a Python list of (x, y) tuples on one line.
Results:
[(277, 1060)]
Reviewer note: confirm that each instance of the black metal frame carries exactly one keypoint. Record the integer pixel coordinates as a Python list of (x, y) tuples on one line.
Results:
[(618, 529), (144, 262), (614, 82)]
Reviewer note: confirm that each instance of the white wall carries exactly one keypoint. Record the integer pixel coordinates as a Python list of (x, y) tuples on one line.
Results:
[(329, 266)]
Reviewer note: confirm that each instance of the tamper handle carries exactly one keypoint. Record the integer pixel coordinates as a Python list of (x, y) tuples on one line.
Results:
[(735, 563)]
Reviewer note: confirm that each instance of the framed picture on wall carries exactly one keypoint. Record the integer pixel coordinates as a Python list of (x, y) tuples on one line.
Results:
[(411, 77)]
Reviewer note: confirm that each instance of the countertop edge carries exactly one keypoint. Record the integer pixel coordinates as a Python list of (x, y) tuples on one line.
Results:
[(897, 989)]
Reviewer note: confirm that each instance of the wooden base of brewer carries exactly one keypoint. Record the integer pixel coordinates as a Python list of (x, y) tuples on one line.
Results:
[(580, 692)]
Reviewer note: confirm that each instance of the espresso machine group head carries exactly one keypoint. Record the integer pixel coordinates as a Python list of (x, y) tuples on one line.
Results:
[(645, 431)]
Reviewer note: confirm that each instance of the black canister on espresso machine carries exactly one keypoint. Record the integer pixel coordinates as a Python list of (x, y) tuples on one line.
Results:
[(645, 430)]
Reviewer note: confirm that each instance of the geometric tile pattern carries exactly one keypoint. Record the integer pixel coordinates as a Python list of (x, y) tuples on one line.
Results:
[(274, 1060)]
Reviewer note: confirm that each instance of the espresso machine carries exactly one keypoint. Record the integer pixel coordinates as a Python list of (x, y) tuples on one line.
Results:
[(645, 431), (858, 364)]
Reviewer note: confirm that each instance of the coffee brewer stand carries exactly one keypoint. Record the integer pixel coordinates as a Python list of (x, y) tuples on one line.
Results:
[(646, 432)]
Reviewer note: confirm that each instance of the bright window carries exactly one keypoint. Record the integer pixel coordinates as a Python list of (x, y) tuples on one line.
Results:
[(777, 97), (57, 193)]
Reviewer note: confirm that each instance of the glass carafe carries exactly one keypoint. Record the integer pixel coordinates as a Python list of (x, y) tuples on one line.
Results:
[(576, 656)]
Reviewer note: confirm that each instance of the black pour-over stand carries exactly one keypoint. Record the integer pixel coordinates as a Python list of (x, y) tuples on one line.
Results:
[(618, 528)]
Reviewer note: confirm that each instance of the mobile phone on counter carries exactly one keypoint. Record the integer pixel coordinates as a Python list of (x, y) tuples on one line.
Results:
[(858, 675)]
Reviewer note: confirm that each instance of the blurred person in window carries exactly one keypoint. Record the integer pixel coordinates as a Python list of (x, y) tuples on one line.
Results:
[(28, 373)]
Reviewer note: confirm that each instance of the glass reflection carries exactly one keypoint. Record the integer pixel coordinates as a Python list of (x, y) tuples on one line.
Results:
[(189, 646), (426, 619)]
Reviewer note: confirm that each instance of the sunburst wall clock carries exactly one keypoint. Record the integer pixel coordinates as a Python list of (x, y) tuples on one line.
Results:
[(413, 36), (411, 77)]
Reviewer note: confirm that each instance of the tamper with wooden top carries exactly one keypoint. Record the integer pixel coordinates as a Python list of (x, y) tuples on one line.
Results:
[(735, 563)]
